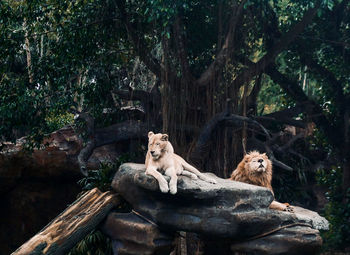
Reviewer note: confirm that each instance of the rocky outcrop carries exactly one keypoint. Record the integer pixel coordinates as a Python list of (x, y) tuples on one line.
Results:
[(226, 210), (57, 157)]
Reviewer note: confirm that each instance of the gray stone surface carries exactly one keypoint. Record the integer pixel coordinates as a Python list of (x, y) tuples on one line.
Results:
[(293, 240), (227, 209), (132, 234)]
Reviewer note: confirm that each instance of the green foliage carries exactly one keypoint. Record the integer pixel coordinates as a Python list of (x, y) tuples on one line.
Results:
[(56, 121), (68, 47), (337, 211), (102, 177), (95, 243), (272, 98)]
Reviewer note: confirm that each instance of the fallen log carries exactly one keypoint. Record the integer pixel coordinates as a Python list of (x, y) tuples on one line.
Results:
[(72, 225)]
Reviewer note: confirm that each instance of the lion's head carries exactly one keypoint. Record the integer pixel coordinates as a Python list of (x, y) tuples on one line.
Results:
[(255, 168), (157, 144), (256, 162)]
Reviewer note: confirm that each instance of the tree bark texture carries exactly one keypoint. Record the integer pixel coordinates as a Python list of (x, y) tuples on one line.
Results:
[(72, 225)]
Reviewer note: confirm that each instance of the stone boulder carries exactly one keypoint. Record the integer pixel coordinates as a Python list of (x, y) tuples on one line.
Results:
[(230, 210), (132, 234)]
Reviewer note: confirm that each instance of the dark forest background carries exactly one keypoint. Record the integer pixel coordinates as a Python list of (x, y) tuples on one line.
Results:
[(220, 77)]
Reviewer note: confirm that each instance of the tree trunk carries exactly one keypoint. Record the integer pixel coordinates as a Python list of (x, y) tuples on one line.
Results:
[(346, 176)]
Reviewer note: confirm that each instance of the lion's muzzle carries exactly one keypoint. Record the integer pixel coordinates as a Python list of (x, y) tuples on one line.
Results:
[(261, 168)]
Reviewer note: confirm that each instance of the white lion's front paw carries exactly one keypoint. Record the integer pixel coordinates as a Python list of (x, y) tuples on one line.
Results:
[(211, 180), (173, 189), (164, 187), (194, 177)]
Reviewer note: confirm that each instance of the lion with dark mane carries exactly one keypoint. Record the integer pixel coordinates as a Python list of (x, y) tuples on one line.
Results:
[(256, 169)]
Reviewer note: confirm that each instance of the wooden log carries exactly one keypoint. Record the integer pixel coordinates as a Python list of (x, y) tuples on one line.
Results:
[(72, 225)]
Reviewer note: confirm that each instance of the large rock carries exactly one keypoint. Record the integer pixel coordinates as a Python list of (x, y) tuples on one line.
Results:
[(292, 240), (227, 209), (132, 234)]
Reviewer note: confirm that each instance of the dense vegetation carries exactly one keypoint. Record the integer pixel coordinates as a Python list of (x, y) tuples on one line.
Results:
[(221, 77)]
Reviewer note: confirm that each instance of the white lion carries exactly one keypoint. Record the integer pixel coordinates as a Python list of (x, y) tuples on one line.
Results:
[(161, 156)]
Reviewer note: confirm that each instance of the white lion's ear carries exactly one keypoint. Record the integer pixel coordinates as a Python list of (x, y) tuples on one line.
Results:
[(246, 158), (150, 133), (164, 137)]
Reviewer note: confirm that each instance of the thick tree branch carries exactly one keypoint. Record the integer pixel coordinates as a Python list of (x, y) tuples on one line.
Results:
[(308, 106), (139, 44), (288, 144), (112, 134), (134, 94), (252, 98), (226, 119), (335, 86), (205, 135), (284, 117), (87, 151), (284, 120), (124, 131), (180, 44), (223, 118), (256, 68), (150, 101), (226, 48), (266, 146), (220, 19)]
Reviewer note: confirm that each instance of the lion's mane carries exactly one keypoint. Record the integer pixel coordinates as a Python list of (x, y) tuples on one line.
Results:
[(244, 173)]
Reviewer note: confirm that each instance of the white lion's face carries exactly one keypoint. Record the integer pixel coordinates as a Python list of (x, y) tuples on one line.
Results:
[(157, 144)]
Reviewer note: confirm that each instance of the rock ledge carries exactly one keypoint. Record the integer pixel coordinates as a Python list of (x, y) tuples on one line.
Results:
[(228, 209)]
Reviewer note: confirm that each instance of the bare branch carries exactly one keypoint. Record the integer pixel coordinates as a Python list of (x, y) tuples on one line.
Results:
[(228, 46)]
